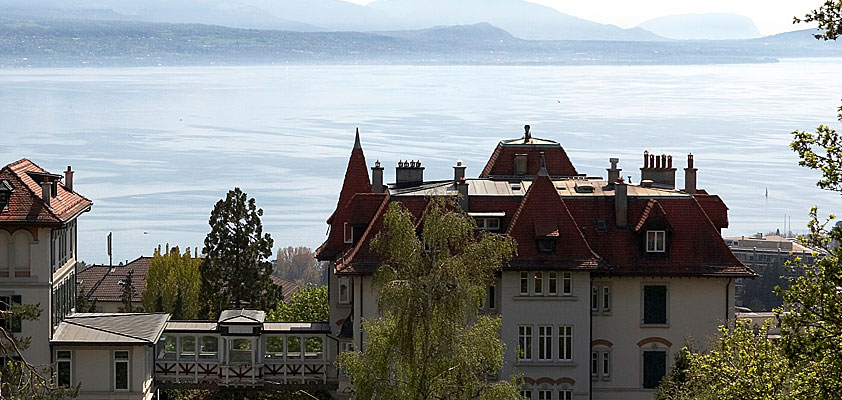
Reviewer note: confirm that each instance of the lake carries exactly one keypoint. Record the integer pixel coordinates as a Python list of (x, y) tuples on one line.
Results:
[(155, 148)]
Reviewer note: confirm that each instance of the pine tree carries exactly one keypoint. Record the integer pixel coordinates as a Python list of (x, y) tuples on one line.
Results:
[(128, 293), (236, 269)]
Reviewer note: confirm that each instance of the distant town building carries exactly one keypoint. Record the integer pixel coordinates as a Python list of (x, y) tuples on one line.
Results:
[(103, 284)]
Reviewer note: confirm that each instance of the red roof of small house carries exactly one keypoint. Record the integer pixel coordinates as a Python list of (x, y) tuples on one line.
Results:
[(501, 163), (104, 282), (26, 204), (714, 207)]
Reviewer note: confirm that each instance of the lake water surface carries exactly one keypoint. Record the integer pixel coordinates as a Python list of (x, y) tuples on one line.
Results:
[(155, 148)]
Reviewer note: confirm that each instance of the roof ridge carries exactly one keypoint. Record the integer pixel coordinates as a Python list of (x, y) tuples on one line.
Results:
[(720, 242), (647, 211)]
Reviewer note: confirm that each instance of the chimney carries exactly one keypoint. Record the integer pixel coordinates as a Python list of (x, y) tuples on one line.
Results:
[(690, 176), (462, 187), (68, 179), (409, 173), (459, 171), (527, 136), (621, 202), (377, 178), (659, 170), (613, 172), (46, 192)]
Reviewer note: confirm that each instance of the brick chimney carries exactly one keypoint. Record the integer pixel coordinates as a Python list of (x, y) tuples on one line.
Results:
[(68, 179), (46, 192), (377, 178), (621, 202), (613, 172), (409, 173), (659, 170), (690, 176), (459, 171)]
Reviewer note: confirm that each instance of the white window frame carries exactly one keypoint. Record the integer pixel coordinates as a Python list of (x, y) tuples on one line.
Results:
[(344, 280), (601, 364), (538, 278), (594, 298), (526, 394), (545, 394), (656, 241), (524, 278), (566, 283), (565, 394), (605, 365), (348, 233), (565, 337), (126, 361), (545, 342), (594, 364), (487, 224), (606, 298), (64, 360), (524, 334), (552, 283)]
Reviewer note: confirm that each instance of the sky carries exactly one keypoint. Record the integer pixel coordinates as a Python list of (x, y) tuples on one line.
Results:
[(770, 16)]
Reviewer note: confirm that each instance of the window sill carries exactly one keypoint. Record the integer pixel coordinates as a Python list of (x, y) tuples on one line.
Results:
[(545, 297), (667, 325), (547, 363)]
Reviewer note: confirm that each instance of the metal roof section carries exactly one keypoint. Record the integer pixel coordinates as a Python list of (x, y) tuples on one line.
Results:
[(565, 187), (292, 327), (190, 326), (111, 328), (242, 316)]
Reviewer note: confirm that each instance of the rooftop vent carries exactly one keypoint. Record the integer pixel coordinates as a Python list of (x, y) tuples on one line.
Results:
[(584, 188)]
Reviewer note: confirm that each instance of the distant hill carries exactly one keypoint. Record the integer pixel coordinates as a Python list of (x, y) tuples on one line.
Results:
[(703, 26), (520, 18)]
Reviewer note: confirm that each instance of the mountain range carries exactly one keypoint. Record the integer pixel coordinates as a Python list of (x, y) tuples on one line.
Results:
[(713, 26)]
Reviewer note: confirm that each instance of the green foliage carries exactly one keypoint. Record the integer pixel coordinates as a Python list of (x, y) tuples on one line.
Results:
[(308, 305), (741, 365), (236, 269), (128, 293), (83, 304), (429, 341), (299, 264), (829, 18), (20, 380), (241, 394), (821, 151), (173, 283)]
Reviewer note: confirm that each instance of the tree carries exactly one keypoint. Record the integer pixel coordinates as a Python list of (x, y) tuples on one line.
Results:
[(742, 364), (236, 269), (173, 283), (307, 305), (429, 341), (828, 17), (128, 293), (83, 303), (20, 380), (299, 264)]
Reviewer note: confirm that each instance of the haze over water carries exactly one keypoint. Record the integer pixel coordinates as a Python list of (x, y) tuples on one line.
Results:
[(155, 148)]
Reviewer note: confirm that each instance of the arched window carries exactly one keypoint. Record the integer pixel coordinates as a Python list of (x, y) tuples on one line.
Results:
[(4, 254), (22, 240)]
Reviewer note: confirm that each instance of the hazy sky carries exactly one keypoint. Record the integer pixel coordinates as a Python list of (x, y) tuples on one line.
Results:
[(770, 16)]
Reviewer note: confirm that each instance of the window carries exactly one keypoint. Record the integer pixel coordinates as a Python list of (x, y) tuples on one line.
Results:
[(488, 224), (655, 304), (520, 164), (491, 297), (241, 351), (601, 364), (545, 394), (654, 368), (209, 348), (526, 394), (539, 283), (314, 348), (525, 342), (121, 371), (524, 283), (567, 283), (606, 298), (274, 348), (594, 364), (606, 364), (344, 290), (293, 347), (552, 281), (64, 365), (565, 343), (565, 394), (4, 253), (546, 246), (545, 343), (349, 233), (188, 347), (594, 298), (167, 347), (11, 323), (655, 241)]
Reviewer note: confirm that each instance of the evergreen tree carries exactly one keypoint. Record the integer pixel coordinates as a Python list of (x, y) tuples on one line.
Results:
[(429, 341), (83, 304), (236, 269), (128, 293)]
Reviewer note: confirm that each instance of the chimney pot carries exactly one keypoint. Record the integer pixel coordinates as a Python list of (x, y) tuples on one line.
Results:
[(690, 176), (657, 163), (68, 179), (669, 161), (613, 172), (459, 171), (621, 202), (526, 134), (377, 178), (462, 187), (646, 159), (409, 173)]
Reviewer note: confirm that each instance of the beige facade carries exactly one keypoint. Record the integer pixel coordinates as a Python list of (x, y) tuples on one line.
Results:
[(99, 370)]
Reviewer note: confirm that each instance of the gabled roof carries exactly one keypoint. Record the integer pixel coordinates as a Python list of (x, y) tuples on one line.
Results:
[(110, 328), (543, 214), (501, 163), (103, 282), (288, 287), (26, 204), (714, 207), (653, 209), (242, 316)]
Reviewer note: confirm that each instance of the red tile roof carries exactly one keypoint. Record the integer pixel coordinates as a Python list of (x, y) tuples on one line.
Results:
[(288, 287), (501, 162), (714, 207), (26, 204), (102, 282)]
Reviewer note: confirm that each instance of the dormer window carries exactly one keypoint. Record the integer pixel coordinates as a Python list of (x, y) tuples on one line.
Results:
[(488, 224), (5, 193), (349, 233), (656, 241), (546, 245), (520, 164)]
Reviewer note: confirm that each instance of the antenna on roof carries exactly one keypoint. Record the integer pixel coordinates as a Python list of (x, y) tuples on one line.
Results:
[(527, 136)]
